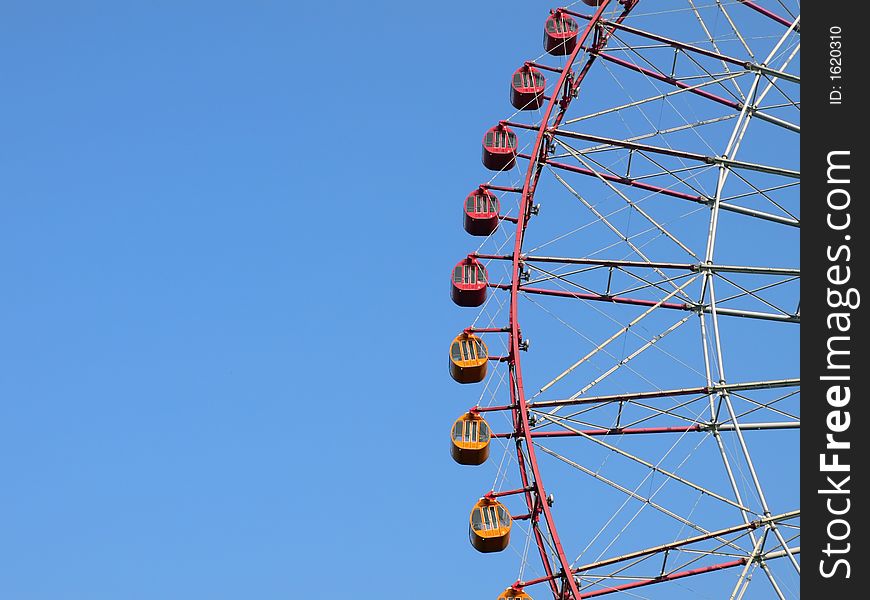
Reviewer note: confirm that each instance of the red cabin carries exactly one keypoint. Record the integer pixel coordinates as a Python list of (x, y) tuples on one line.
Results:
[(593, 2), (560, 34), (527, 88), (468, 284), (481, 212), (499, 148)]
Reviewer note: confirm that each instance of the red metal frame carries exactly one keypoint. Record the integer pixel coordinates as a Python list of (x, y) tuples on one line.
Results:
[(624, 180), (600, 431), (699, 390), (670, 577), (537, 507), (768, 13), (598, 297), (628, 586), (667, 79)]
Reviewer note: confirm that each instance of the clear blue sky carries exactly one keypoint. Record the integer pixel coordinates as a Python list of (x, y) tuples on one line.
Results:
[(225, 235), (213, 214)]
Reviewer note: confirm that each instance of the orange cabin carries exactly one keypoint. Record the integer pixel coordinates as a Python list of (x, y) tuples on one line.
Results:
[(513, 593), (468, 358), (489, 526), (469, 439), (560, 34), (499, 148), (481, 212), (527, 88), (468, 284)]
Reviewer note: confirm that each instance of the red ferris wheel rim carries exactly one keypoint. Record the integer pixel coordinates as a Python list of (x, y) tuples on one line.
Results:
[(518, 400)]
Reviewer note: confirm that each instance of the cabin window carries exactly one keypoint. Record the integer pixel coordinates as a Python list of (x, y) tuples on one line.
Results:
[(474, 431), (486, 518), (483, 204), (500, 138), (476, 520), (503, 518), (528, 79), (470, 203), (492, 516), (561, 25), (467, 349), (469, 275)]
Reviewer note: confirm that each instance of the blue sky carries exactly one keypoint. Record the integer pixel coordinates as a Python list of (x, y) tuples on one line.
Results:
[(213, 215), (226, 230)]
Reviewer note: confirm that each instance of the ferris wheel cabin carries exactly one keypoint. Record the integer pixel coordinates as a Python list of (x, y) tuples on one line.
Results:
[(499, 148), (527, 88), (469, 440), (481, 212), (560, 34), (468, 358), (468, 283), (489, 526), (513, 593)]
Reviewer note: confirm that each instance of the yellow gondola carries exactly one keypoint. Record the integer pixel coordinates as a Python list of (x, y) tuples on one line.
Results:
[(513, 593), (469, 439), (468, 358), (489, 526)]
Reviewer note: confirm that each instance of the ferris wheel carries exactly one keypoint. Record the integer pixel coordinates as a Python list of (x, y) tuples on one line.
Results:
[(640, 222)]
